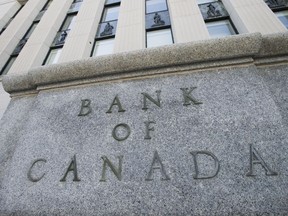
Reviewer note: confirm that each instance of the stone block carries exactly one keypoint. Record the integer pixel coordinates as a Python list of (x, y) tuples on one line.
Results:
[(202, 143)]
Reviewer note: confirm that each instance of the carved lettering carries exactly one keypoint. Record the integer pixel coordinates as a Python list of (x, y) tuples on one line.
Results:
[(156, 102), (29, 174), (148, 129), (255, 158), (116, 136), (85, 107), (154, 166), (216, 165), (72, 167), (188, 97), (116, 102), (117, 172)]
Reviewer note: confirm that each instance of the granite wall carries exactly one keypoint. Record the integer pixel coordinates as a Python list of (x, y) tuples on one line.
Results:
[(172, 131)]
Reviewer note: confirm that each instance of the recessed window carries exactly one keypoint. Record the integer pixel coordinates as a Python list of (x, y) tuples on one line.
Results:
[(112, 2), (220, 28), (47, 5), (30, 31), (103, 47), (53, 56), (69, 22), (205, 1), (110, 13), (283, 17), (155, 5), (8, 65), (159, 38)]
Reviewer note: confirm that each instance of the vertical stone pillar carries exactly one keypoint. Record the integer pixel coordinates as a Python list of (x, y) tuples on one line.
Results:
[(80, 40), (130, 33), (187, 21), (37, 47), (17, 29), (7, 11), (253, 16)]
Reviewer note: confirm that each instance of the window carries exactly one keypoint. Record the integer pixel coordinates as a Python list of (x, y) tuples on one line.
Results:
[(103, 47), (8, 65), (205, 1), (280, 10), (220, 28), (53, 56), (47, 5), (60, 38), (69, 22), (158, 25), (217, 19), (30, 31), (23, 41), (10, 20), (110, 13), (109, 2), (104, 41), (283, 17), (155, 5), (159, 38)]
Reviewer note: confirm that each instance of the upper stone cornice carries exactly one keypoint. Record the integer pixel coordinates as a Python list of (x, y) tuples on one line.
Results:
[(228, 51)]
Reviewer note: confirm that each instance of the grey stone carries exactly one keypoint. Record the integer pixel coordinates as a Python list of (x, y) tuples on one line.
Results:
[(124, 64), (246, 45), (234, 106), (274, 45), (241, 105)]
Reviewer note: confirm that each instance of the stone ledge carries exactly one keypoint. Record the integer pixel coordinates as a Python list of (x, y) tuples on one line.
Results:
[(232, 47), (274, 45)]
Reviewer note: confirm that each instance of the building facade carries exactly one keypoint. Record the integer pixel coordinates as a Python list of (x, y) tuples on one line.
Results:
[(37, 33), (143, 107)]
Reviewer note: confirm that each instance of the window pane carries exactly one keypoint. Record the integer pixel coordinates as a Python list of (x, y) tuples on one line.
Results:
[(283, 17), (155, 5), (104, 47), (159, 38), (47, 5), (8, 65), (28, 34), (220, 29), (110, 13), (53, 56), (205, 1), (112, 1), (69, 22)]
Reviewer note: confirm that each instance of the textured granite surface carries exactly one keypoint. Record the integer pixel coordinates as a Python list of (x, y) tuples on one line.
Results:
[(239, 106), (161, 60), (122, 64)]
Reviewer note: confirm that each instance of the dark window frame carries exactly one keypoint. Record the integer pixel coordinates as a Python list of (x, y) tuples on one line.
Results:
[(103, 12), (101, 22), (7, 63), (10, 20), (222, 19), (160, 28), (66, 17), (50, 49), (100, 39), (111, 4), (46, 5), (156, 11)]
